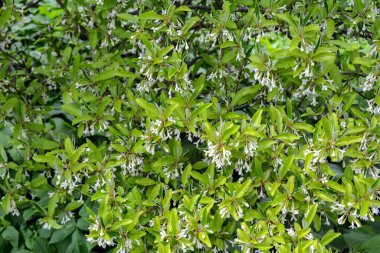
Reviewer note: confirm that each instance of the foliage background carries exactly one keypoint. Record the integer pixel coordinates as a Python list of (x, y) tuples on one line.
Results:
[(189, 126)]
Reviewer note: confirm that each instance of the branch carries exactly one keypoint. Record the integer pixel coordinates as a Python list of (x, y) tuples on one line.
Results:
[(31, 4), (208, 8), (353, 74), (196, 7), (61, 4), (10, 56), (241, 107), (191, 63)]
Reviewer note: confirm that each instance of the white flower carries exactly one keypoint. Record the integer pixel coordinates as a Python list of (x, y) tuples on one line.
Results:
[(352, 226), (370, 80), (66, 217), (291, 232), (342, 219), (94, 227), (133, 164), (265, 78), (250, 147), (13, 208), (241, 165), (46, 226), (224, 212), (327, 222), (102, 242), (218, 155), (310, 236)]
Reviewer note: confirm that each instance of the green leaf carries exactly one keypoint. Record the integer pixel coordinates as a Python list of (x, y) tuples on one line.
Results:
[(251, 132), (347, 140), (190, 23), (210, 131), (329, 237), (150, 15), (69, 146), (229, 56), (288, 19), (40, 245), (327, 127), (174, 220), (78, 243), (203, 236), (243, 189), (303, 232), (110, 73), (201, 108), (256, 118), (37, 182), (334, 185), (182, 8), (364, 207), (154, 191), (165, 51), (5, 15), (145, 181), (52, 160), (169, 110), (45, 144), (12, 235), (324, 196), (288, 163), (228, 129), (127, 17), (311, 213), (365, 61), (61, 234), (186, 174), (10, 104), (349, 100), (104, 206), (330, 28), (324, 57), (73, 205), (287, 137), (304, 126), (73, 110), (76, 155), (244, 95), (227, 44), (372, 244), (6, 203), (119, 224), (149, 108), (53, 204), (66, 54)]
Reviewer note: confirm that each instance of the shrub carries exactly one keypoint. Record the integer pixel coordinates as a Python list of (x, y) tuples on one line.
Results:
[(188, 126)]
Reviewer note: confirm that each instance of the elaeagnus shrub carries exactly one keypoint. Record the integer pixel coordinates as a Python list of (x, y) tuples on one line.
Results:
[(189, 126)]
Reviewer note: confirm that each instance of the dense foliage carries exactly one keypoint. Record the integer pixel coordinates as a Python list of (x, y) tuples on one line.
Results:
[(189, 126)]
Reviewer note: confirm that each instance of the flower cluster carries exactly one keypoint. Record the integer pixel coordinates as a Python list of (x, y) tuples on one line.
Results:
[(164, 126)]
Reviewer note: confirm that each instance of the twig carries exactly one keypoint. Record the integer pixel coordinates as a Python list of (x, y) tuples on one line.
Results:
[(208, 8), (31, 4), (352, 74), (241, 107), (61, 4), (197, 7), (190, 63)]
